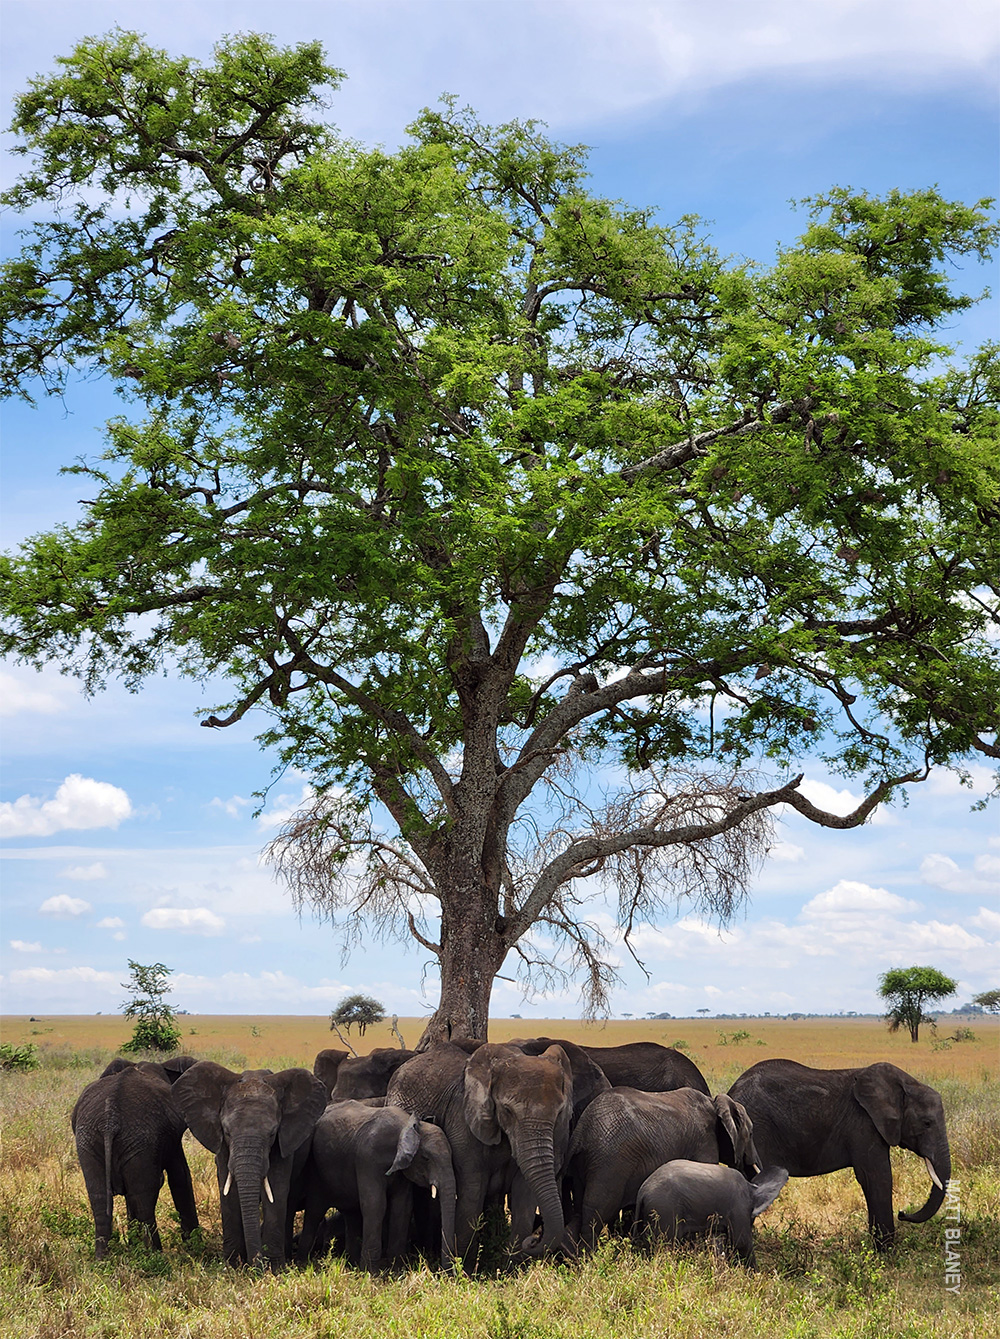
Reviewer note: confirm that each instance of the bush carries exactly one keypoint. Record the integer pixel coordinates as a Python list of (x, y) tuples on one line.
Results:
[(21, 1058), (153, 1034)]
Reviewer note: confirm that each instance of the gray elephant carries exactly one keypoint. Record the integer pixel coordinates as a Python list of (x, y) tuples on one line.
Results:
[(503, 1112), (255, 1123), (364, 1161), (361, 1076), (625, 1134), (684, 1199), (815, 1121), (326, 1066), (645, 1065), (128, 1132)]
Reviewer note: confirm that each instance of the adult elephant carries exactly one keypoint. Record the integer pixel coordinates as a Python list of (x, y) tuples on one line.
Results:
[(503, 1112), (648, 1066), (625, 1134), (364, 1161), (815, 1121), (361, 1076), (254, 1123), (588, 1078), (128, 1132)]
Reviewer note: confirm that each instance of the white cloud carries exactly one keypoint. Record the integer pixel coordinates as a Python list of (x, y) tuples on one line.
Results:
[(839, 802), (85, 873), (21, 696), (851, 897), (63, 906), (284, 807), (232, 806), (110, 923), (19, 946), (987, 920), (940, 871), (944, 782), (80, 802), (786, 852), (189, 920)]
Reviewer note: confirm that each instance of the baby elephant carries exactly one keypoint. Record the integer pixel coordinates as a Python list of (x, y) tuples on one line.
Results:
[(685, 1199)]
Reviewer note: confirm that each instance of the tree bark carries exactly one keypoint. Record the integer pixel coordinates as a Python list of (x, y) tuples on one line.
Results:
[(472, 952)]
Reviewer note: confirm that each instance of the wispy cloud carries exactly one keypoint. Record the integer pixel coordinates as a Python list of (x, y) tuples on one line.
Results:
[(85, 873), (188, 920)]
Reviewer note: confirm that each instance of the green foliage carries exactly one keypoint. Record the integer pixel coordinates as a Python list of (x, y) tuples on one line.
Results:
[(907, 990), (21, 1058), (989, 1000), (362, 1010), (401, 427), (156, 1028)]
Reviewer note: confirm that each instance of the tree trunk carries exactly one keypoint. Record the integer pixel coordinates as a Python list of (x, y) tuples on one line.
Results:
[(472, 952)]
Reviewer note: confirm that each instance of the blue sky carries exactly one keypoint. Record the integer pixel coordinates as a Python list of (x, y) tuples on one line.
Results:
[(130, 830)]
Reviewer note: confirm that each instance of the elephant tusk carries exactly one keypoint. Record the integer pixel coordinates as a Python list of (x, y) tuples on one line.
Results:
[(434, 1192), (229, 1182), (757, 1170), (267, 1190), (932, 1173)]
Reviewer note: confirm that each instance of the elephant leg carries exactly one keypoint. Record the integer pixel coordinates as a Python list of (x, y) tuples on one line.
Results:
[(468, 1211), (399, 1217), (373, 1195), (875, 1180), (317, 1203), (353, 1229), (140, 1206), (182, 1192)]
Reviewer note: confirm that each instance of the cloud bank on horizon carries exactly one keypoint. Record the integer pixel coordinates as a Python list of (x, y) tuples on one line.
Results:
[(133, 834)]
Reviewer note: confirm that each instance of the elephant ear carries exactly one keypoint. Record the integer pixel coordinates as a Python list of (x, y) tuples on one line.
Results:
[(326, 1065), (408, 1146), (117, 1065), (303, 1100), (478, 1105), (198, 1094), (738, 1128), (881, 1094), (178, 1065), (765, 1189), (560, 1134)]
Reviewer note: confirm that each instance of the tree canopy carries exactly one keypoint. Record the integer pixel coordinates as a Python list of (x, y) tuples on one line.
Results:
[(476, 485), (907, 990)]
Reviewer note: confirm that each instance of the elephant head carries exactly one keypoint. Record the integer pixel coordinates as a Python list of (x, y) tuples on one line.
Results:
[(736, 1131), (250, 1121), (530, 1100), (908, 1114)]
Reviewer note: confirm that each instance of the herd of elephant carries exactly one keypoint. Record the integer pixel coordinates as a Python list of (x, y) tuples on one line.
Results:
[(412, 1149)]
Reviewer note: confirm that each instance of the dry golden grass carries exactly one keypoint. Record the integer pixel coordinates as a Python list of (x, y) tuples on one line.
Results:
[(818, 1278), (827, 1043)]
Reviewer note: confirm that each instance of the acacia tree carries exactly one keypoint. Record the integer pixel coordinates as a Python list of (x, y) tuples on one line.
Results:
[(907, 990), (476, 484)]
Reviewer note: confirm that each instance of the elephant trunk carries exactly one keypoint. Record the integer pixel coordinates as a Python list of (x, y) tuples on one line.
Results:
[(444, 1179), (248, 1168), (534, 1152), (939, 1166)]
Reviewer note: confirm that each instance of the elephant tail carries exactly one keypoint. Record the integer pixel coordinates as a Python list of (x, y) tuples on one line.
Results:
[(408, 1146), (112, 1125)]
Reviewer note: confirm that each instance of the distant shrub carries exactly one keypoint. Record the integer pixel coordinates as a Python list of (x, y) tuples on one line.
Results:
[(362, 1010)]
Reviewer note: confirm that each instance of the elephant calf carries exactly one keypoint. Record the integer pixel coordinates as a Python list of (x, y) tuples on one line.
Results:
[(364, 1161), (685, 1199), (128, 1133)]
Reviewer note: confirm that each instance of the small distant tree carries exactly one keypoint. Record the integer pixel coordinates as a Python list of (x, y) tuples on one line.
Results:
[(907, 990), (360, 1009), (155, 1028), (988, 1000)]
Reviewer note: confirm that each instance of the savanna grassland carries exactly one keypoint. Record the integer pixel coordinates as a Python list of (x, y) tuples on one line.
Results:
[(816, 1277)]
